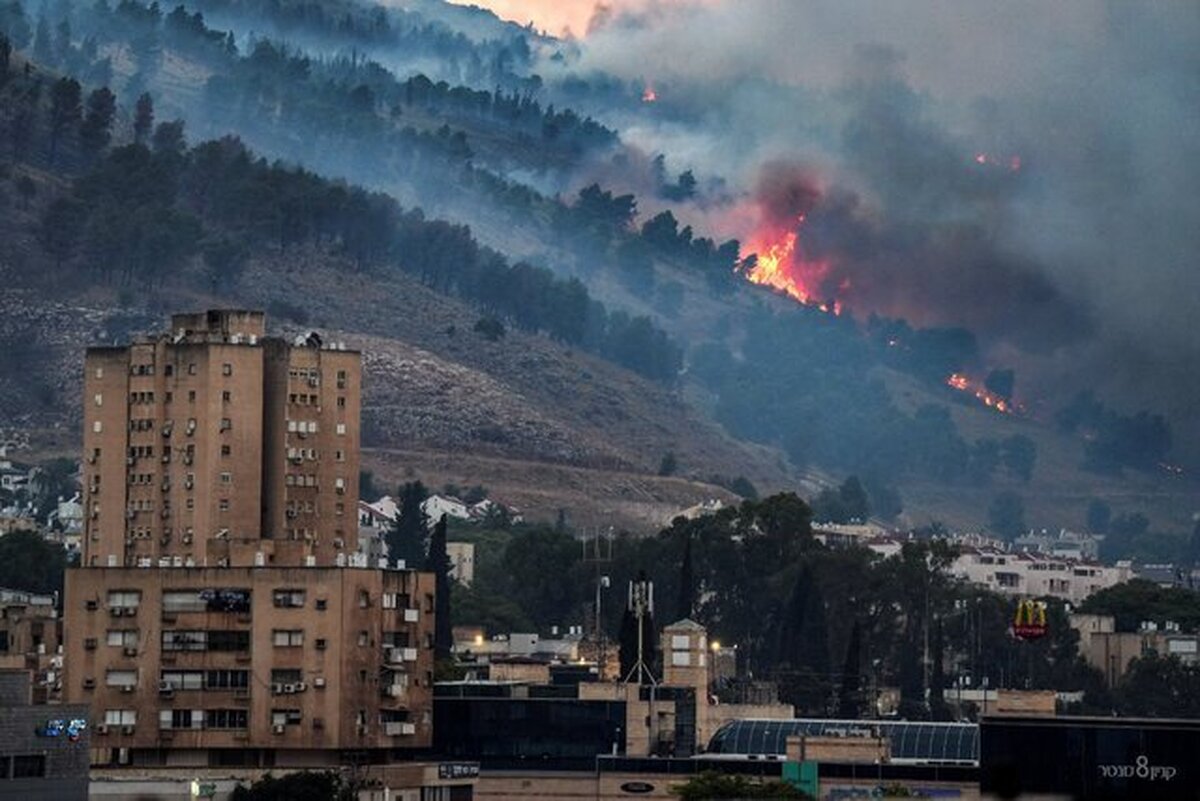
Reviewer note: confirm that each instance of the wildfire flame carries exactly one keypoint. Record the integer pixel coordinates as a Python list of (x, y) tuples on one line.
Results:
[(780, 264), (962, 383), (649, 95)]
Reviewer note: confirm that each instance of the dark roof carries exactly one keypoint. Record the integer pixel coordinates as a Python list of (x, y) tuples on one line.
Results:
[(910, 741)]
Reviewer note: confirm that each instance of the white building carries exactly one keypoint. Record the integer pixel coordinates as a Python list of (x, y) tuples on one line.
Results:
[(1036, 574), (462, 562), (437, 505)]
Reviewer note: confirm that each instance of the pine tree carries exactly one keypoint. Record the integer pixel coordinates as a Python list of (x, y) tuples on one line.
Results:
[(687, 584), (143, 121), (438, 563), (96, 131), (66, 109), (849, 698)]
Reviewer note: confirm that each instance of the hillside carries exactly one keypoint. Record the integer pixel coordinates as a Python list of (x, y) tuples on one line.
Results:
[(547, 415)]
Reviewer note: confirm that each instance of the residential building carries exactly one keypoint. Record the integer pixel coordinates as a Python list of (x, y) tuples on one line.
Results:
[(1112, 652), (30, 640), (462, 562), (268, 666), (223, 616), (212, 443), (1035, 574)]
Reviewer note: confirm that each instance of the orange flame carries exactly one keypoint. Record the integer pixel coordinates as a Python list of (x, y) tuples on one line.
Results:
[(990, 399), (780, 264)]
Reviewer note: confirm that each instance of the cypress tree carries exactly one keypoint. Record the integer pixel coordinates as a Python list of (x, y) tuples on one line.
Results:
[(849, 700), (687, 584), (438, 563)]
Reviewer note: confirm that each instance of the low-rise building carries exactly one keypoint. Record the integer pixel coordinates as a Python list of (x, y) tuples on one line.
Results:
[(1033, 574), (30, 639), (251, 666), (462, 562), (1112, 652), (43, 748)]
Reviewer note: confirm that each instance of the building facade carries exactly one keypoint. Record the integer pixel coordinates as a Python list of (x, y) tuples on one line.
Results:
[(43, 748), (211, 443), (222, 614)]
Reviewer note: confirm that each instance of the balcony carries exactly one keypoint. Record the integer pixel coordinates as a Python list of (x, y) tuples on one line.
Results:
[(399, 656), (399, 728)]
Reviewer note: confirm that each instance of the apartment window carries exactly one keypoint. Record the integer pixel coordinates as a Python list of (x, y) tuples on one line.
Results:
[(226, 450), (190, 504), (169, 396), (226, 369), (181, 719), (192, 369), (286, 676), (227, 478), (124, 599), (226, 679), (339, 456), (191, 396), (122, 638), (184, 640), (226, 424), (99, 399), (341, 379), (97, 427), (169, 369), (322, 604), (27, 766), (362, 638), (229, 641), (99, 372), (223, 505), (290, 599), (120, 717), (287, 638), (183, 679), (285, 717), (121, 678), (339, 508), (225, 718), (341, 429), (364, 599), (341, 402)]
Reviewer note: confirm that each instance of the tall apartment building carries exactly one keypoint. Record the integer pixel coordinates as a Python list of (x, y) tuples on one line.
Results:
[(212, 443), (221, 615)]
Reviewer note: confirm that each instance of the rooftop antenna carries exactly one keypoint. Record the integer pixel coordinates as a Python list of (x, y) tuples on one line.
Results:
[(641, 601)]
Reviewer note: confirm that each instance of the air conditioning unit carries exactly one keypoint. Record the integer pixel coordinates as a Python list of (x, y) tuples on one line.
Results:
[(396, 691), (393, 655), (278, 728), (410, 654), (288, 689), (89, 684), (363, 730), (301, 687), (399, 728), (102, 729), (166, 457), (412, 615), (128, 688), (277, 689), (130, 651), (313, 382), (127, 730), (319, 683)]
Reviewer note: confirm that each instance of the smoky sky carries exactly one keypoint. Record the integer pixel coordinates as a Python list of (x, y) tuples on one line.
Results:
[(1028, 169)]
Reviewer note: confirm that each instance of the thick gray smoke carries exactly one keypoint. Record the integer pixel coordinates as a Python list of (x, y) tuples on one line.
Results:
[(1027, 169)]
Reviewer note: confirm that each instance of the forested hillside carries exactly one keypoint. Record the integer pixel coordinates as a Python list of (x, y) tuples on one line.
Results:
[(153, 154)]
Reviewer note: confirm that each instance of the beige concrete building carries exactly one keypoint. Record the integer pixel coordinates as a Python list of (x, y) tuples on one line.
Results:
[(213, 444), (222, 615), (265, 667), (1112, 652)]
